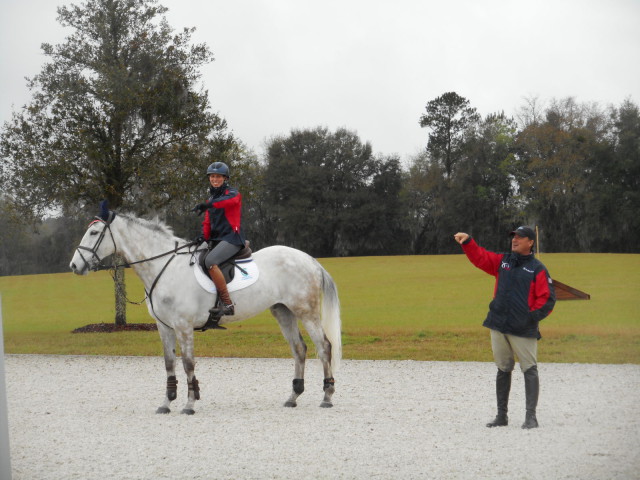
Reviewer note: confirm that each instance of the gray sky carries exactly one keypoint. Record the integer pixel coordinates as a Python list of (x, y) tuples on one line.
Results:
[(369, 65)]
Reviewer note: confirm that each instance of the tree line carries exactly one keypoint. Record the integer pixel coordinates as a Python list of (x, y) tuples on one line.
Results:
[(117, 113), (571, 169)]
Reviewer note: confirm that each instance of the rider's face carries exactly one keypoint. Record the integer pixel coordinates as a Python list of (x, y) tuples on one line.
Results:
[(216, 180)]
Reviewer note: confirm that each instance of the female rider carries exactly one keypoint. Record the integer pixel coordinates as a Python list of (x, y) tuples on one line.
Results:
[(221, 226)]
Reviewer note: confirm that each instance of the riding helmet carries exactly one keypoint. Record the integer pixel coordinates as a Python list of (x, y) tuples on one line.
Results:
[(218, 167)]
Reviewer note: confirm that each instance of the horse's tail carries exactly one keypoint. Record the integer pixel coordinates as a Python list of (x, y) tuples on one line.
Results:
[(331, 323)]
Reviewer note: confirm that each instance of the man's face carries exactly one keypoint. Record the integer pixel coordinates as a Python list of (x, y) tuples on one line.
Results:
[(521, 245)]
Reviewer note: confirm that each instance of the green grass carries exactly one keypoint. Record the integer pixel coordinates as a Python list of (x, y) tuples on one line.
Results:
[(408, 307)]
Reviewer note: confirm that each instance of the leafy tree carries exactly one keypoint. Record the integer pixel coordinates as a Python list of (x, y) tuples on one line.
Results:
[(553, 172), (426, 199), (626, 174), (28, 249), (477, 196), (312, 178), (376, 221), (484, 185), (115, 114), (451, 121), (448, 117), (13, 239), (614, 184)]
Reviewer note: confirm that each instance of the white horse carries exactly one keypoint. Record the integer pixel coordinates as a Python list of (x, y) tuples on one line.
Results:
[(292, 284)]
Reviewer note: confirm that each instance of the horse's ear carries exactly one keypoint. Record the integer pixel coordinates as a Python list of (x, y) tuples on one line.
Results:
[(105, 214), (104, 210)]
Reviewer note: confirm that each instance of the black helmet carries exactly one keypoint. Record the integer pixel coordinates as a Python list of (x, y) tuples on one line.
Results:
[(219, 168)]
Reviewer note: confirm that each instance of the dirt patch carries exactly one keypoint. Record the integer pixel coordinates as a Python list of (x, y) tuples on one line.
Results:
[(112, 327)]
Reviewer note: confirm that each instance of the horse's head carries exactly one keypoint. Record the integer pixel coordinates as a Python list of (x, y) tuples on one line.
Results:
[(94, 246)]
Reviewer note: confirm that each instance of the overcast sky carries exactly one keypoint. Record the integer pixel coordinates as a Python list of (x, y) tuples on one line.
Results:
[(371, 66)]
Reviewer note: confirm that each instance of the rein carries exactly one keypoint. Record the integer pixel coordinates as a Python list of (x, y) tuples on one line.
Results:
[(128, 264)]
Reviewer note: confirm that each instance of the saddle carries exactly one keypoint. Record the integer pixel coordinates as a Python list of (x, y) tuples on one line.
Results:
[(228, 267)]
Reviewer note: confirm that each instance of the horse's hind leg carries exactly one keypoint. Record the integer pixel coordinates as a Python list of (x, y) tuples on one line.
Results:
[(185, 337), (168, 337), (289, 327), (323, 346)]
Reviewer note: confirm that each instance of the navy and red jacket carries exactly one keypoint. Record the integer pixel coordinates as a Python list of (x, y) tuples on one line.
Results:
[(523, 294), (222, 218)]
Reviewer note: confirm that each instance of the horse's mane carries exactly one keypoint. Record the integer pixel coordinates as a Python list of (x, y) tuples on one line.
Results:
[(156, 225)]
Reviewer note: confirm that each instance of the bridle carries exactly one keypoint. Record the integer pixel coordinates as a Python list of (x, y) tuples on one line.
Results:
[(94, 250)]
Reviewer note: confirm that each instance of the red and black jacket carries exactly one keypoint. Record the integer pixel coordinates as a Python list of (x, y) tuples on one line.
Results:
[(523, 293), (223, 217)]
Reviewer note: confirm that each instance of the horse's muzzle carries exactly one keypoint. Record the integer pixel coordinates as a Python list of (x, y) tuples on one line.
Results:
[(79, 271)]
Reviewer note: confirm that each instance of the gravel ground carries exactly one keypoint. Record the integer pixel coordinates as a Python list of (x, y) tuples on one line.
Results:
[(77, 417)]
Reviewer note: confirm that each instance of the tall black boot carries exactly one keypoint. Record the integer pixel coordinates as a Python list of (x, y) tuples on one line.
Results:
[(503, 386), (531, 390)]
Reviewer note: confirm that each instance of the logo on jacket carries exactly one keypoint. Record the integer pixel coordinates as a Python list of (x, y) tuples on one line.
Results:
[(505, 266)]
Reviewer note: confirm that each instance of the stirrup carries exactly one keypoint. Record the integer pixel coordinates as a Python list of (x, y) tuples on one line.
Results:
[(222, 309), (212, 323)]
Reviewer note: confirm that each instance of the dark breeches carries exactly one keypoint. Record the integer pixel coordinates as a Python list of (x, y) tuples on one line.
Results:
[(221, 252)]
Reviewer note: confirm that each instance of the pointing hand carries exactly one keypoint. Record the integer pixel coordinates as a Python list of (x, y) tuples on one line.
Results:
[(461, 237)]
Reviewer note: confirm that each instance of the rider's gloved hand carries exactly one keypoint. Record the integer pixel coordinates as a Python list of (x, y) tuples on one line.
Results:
[(199, 239), (201, 207)]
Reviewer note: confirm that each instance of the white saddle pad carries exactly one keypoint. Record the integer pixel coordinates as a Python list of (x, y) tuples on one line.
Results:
[(240, 280)]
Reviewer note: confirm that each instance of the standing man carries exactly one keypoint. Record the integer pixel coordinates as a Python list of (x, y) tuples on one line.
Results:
[(523, 296)]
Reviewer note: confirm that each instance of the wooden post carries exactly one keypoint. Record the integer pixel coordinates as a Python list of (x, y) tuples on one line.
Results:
[(120, 289), (5, 457)]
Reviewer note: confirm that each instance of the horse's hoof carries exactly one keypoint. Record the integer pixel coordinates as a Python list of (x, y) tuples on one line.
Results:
[(290, 404), (326, 404), (188, 411), (163, 410)]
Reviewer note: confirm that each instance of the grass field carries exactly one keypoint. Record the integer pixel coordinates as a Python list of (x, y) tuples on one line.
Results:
[(407, 307)]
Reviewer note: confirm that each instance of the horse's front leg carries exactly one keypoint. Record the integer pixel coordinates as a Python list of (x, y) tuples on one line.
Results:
[(185, 337), (168, 337)]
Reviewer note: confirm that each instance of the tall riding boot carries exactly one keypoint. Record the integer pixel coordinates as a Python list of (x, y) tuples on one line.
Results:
[(225, 306), (531, 390), (503, 386)]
